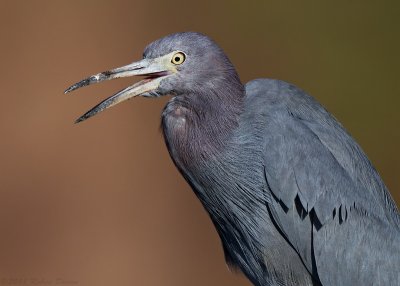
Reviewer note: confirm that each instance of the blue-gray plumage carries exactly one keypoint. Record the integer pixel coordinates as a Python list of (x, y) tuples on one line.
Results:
[(292, 196)]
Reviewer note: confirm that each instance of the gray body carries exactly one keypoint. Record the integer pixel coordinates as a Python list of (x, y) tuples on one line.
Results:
[(292, 196)]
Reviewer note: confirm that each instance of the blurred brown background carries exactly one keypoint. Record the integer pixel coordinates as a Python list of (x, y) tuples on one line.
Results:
[(100, 203)]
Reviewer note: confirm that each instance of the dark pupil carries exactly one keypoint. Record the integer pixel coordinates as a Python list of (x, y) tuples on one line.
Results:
[(177, 59)]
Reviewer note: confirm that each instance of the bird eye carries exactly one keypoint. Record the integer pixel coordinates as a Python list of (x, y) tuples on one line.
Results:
[(178, 58)]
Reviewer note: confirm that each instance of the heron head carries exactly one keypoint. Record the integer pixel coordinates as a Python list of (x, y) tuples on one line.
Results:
[(181, 63)]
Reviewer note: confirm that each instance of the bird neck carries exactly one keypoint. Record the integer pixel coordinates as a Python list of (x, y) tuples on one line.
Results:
[(197, 125)]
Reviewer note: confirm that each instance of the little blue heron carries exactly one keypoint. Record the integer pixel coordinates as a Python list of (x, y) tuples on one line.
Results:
[(293, 197)]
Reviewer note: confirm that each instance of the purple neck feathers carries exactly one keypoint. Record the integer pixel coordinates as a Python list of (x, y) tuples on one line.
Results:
[(196, 125)]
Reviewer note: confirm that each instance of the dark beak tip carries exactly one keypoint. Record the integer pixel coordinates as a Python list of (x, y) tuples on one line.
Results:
[(79, 120), (82, 83), (71, 88), (67, 90)]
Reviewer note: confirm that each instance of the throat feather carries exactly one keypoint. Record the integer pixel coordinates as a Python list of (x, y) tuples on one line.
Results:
[(196, 127)]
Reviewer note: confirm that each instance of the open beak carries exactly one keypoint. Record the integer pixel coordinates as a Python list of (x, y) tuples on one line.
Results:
[(154, 71)]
